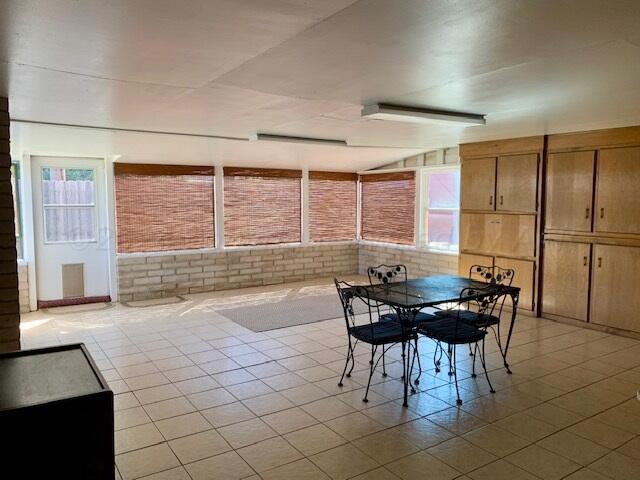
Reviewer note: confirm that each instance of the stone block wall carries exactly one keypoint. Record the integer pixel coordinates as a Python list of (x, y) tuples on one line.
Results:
[(419, 263), (23, 288), (9, 303), (143, 277)]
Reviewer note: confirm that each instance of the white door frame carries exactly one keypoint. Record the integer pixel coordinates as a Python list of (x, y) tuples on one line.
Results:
[(28, 219)]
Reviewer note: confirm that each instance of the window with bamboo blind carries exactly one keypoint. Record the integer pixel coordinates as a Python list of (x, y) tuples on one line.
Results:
[(388, 207), (163, 207), (332, 206), (262, 206)]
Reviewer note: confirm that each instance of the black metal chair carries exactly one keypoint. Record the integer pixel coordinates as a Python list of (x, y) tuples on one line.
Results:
[(456, 329), (384, 334), (388, 274), (492, 275)]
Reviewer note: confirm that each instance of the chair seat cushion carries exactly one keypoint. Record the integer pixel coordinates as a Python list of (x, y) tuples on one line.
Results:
[(421, 317), (444, 330), (471, 318), (378, 333)]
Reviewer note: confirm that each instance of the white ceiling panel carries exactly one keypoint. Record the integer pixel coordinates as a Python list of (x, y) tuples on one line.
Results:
[(306, 67)]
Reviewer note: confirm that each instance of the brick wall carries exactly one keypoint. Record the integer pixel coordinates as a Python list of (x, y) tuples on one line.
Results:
[(9, 305), (419, 263), (23, 288), (157, 276)]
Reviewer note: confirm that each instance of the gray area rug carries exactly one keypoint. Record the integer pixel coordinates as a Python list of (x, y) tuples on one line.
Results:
[(287, 312)]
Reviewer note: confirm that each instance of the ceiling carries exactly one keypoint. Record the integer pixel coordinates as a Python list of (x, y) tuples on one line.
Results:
[(305, 67)]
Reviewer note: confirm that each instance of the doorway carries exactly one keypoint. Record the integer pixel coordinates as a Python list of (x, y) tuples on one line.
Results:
[(70, 230)]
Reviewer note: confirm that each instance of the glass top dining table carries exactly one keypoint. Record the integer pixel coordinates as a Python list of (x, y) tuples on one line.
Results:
[(408, 298)]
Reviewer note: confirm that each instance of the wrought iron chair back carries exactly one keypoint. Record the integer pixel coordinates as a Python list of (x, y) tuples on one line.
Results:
[(493, 274), (350, 294), (484, 302), (387, 274)]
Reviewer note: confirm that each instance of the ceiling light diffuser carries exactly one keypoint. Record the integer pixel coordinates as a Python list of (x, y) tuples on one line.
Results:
[(398, 113), (291, 139)]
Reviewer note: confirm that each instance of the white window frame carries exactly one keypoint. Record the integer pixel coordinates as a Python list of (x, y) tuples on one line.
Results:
[(423, 202), (46, 206)]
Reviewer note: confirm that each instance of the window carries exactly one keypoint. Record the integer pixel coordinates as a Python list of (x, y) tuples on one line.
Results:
[(332, 206), (15, 192), (261, 206), (68, 202), (164, 207), (388, 207), (441, 209)]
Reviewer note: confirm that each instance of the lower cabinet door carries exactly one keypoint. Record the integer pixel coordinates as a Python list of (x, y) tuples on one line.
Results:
[(468, 260), (615, 287), (565, 279), (524, 271)]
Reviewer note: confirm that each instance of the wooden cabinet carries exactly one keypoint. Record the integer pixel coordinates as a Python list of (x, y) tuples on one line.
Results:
[(569, 191), (499, 200), (467, 260), (565, 279), (516, 189), (615, 285), (617, 199), (478, 184), (498, 234), (524, 271)]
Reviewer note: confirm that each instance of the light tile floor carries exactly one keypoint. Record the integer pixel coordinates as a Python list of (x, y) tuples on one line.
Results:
[(200, 397)]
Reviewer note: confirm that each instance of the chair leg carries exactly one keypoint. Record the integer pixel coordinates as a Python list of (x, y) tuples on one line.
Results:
[(451, 366), (484, 366), (371, 368), (413, 361), (346, 363), (384, 364), (452, 361), (473, 353), (496, 333), (436, 363), (417, 380)]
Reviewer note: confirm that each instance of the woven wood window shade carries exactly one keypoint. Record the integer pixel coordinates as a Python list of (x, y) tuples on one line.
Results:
[(163, 207), (262, 206), (332, 206), (388, 207)]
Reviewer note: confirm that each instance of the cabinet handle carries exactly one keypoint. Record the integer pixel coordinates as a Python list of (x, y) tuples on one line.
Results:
[(602, 213), (501, 200), (490, 199), (599, 262), (584, 260), (586, 215)]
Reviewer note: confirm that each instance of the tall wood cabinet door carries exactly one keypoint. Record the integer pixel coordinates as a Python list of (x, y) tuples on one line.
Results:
[(478, 184), (569, 191), (615, 285), (523, 277), (467, 260), (565, 279), (617, 199), (517, 185)]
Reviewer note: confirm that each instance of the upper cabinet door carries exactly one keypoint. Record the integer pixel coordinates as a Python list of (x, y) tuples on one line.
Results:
[(517, 183), (617, 199), (478, 184), (569, 191)]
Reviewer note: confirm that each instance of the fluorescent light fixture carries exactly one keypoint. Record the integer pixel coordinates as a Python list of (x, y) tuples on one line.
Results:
[(290, 139), (399, 113)]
